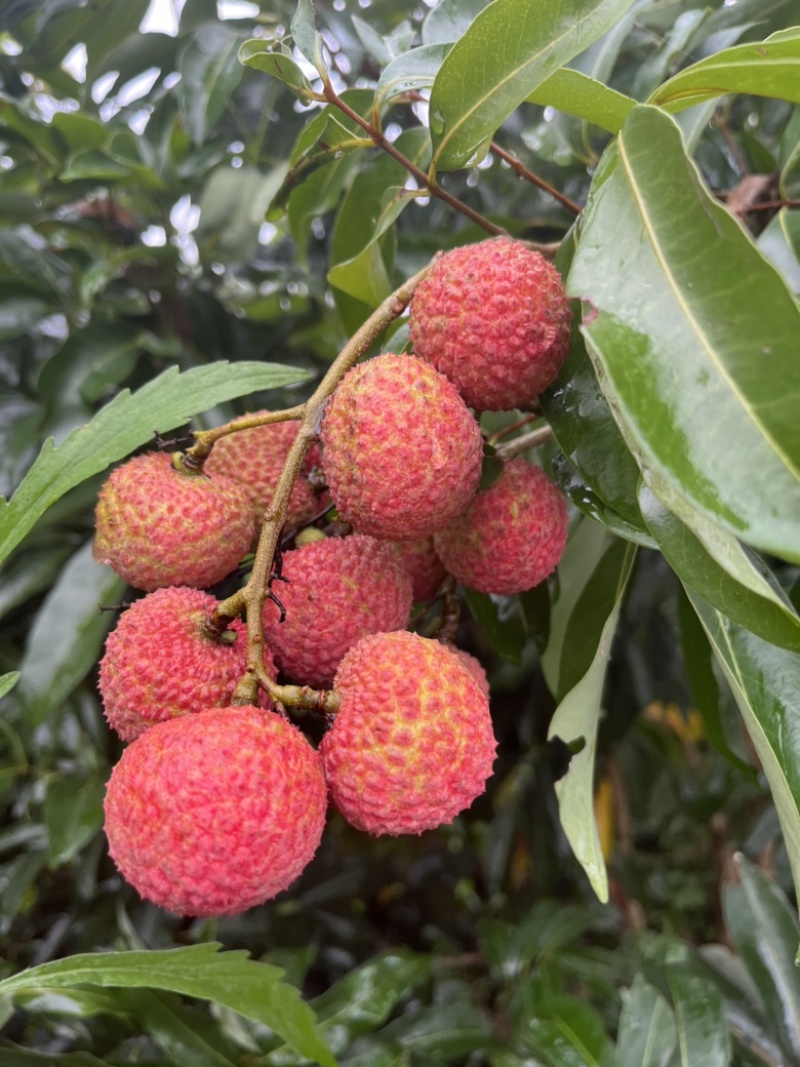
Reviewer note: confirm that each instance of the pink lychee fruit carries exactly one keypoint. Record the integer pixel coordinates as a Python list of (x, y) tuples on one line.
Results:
[(336, 591), (162, 661), (401, 451), (157, 526), (426, 569), (255, 459), (411, 745), (511, 536), (473, 665), (210, 814), (494, 317)]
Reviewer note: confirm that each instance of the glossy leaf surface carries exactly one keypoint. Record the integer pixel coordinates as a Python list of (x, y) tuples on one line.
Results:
[(586, 98), (666, 365), (509, 49)]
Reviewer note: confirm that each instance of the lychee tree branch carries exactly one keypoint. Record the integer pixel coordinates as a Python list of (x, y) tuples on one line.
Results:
[(525, 441), (251, 597), (205, 440), (522, 171)]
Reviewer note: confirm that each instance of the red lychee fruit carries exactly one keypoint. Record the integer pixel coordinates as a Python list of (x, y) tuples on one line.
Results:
[(161, 661), (494, 317), (255, 459), (336, 591), (157, 526), (426, 569), (511, 536), (401, 452), (411, 744), (210, 814), (474, 666)]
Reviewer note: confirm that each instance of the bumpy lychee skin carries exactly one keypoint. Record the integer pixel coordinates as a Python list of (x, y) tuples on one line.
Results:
[(511, 536), (213, 813), (494, 317), (161, 662), (255, 458), (401, 451), (474, 666), (426, 569), (336, 592), (412, 744), (158, 527)]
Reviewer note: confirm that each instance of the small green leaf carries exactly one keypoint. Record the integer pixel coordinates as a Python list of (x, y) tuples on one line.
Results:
[(501, 622), (449, 19), (568, 1031), (73, 813), (579, 95), (233, 206), (765, 931), (8, 681), (509, 49), (210, 71), (128, 422), (412, 70), (257, 54), (766, 68), (304, 34), (255, 990), (577, 717)]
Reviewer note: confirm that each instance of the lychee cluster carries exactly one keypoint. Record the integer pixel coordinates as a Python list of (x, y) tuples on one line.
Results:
[(218, 802)]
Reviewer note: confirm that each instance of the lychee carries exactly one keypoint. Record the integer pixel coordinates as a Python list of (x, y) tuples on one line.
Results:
[(494, 317), (157, 526), (412, 744), (161, 661), (401, 452), (255, 459), (210, 814), (511, 536), (473, 665), (335, 592), (426, 569)]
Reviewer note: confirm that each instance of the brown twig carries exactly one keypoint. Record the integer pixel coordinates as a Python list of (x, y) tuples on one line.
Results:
[(250, 598), (205, 440), (522, 171), (525, 441)]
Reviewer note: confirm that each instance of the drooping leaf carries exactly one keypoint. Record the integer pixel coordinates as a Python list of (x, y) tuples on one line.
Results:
[(210, 70), (509, 49), (577, 718), (128, 422), (255, 990), (685, 318), (767, 68), (67, 634), (584, 97), (765, 681), (732, 582), (766, 932)]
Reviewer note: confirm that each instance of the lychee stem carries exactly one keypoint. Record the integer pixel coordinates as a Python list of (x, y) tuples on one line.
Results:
[(525, 442), (195, 457), (250, 598)]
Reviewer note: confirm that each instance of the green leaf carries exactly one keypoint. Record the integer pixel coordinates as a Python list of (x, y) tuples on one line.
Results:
[(500, 620), (736, 583), (412, 70), (584, 97), (646, 1035), (684, 319), (577, 718), (442, 1031), (765, 682), (16, 1056), (256, 53), (73, 813), (185, 1036), (765, 932), (305, 36), (447, 21), (210, 70), (8, 681), (226, 978), (700, 1022), (509, 49), (767, 68), (69, 629), (779, 241), (568, 1032), (128, 422), (233, 206)]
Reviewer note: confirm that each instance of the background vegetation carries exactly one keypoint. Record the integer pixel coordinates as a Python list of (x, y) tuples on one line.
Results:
[(176, 223)]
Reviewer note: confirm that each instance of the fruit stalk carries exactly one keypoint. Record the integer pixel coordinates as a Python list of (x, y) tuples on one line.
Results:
[(252, 595), (205, 440)]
